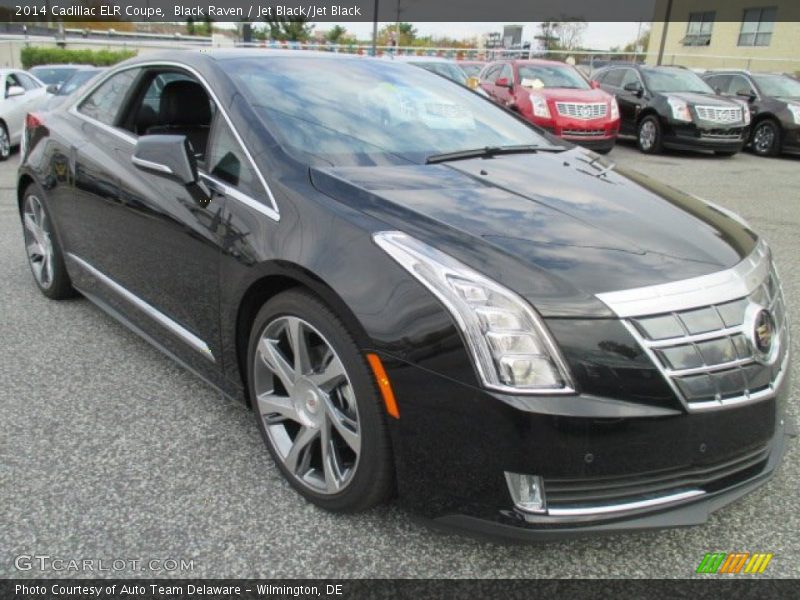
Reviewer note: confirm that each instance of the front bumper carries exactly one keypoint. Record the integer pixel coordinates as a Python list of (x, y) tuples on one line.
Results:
[(453, 444), (705, 136), (595, 134)]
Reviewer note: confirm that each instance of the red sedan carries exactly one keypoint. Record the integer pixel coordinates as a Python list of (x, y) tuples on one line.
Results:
[(556, 97)]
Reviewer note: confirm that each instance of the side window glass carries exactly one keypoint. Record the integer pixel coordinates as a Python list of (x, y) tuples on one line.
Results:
[(226, 161), (27, 82), (737, 84), (614, 78), (12, 81), (104, 103), (507, 73), (629, 77)]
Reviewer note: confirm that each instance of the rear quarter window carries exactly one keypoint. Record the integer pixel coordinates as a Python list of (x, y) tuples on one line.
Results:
[(104, 103)]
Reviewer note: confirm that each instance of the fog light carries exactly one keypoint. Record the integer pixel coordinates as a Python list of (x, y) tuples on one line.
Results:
[(527, 492)]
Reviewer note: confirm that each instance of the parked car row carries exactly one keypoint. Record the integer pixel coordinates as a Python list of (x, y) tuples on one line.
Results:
[(662, 107), (41, 88)]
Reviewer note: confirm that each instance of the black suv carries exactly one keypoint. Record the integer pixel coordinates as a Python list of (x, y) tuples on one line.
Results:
[(774, 101), (673, 107)]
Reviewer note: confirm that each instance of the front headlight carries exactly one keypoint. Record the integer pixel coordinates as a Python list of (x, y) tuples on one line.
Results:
[(680, 110), (614, 108), (795, 110), (540, 108), (746, 115), (510, 345)]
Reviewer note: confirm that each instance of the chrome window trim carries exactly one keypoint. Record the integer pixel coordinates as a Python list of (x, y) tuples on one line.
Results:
[(179, 330), (271, 211), (716, 288)]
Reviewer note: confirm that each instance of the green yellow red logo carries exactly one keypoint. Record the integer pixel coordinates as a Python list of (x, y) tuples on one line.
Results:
[(732, 563)]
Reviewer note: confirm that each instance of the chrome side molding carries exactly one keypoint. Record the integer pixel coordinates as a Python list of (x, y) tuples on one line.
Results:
[(178, 330)]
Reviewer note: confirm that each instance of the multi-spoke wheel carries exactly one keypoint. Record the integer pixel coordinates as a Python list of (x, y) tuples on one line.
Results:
[(5, 143), (41, 246), (766, 138), (316, 404), (649, 135)]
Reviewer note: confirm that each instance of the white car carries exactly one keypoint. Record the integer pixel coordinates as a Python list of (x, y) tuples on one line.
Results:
[(22, 93)]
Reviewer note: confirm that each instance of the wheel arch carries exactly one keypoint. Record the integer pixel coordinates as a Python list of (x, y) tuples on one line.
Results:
[(276, 278), (649, 111), (22, 184)]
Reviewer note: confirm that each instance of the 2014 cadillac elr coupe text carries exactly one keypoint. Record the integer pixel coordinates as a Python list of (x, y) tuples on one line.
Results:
[(419, 293)]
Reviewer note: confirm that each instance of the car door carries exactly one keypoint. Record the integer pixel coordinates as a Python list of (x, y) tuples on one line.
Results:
[(14, 108), (630, 102), (143, 243), (505, 93)]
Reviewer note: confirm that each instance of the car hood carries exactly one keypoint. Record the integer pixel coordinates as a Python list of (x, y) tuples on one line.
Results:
[(703, 99), (569, 95), (557, 228)]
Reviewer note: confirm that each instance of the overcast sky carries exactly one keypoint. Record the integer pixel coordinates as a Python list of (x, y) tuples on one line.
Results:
[(598, 36)]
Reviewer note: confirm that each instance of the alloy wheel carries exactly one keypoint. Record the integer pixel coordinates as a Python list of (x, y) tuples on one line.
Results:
[(305, 397), (647, 135), (38, 242), (764, 138), (5, 144)]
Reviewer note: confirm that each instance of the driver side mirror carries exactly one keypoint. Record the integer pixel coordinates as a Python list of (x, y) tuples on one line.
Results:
[(169, 155), (594, 84), (14, 90), (502, 82), (635, 88), (747, 93)]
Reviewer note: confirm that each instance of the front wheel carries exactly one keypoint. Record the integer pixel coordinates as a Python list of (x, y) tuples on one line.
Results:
[(649, 135), (317, 405), (766, 138)]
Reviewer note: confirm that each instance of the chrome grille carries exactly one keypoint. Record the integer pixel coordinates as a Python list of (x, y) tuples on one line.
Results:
[(706, 351), (583, 132), (582, 110), (719, 114)]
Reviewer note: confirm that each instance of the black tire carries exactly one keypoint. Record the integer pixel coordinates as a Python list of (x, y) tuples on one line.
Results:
[(59, 286), (643, 135), (766, 138), (725, 153), (5, 142), (372, 482)]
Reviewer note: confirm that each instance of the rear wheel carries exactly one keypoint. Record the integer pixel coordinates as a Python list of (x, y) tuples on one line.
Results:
[(44, 253), (766, 140), (317, 406), (649, 135), (5, 142)]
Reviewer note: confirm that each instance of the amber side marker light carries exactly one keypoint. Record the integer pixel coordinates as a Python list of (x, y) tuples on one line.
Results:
[(384, 385)]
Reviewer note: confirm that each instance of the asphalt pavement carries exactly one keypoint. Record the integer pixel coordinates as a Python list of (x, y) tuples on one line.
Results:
[(108, 450)]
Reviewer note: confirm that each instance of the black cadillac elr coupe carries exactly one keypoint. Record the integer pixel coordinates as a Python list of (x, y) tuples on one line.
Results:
[(417, 292)]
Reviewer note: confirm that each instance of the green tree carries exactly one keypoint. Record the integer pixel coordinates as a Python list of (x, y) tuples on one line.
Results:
[(335, 35), (642, 41), (289, 30), (190, 29)]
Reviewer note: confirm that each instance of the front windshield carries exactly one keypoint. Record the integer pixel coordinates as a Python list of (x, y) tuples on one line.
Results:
[(445, 69), (675, 80), (551, 76), (76, 81), (349, 111), (49, 76), (778, 85)]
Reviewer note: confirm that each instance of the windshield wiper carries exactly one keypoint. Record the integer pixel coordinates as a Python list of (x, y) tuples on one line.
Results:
[(489, 152)]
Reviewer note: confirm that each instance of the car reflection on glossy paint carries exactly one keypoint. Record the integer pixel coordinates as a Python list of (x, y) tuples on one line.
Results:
[(418, 293)]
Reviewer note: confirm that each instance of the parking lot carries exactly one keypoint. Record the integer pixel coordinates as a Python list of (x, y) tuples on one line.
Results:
[(111, 451)]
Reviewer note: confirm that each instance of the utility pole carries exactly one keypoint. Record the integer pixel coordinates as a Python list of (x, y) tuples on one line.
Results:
[(664, 30), (375, 31)]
